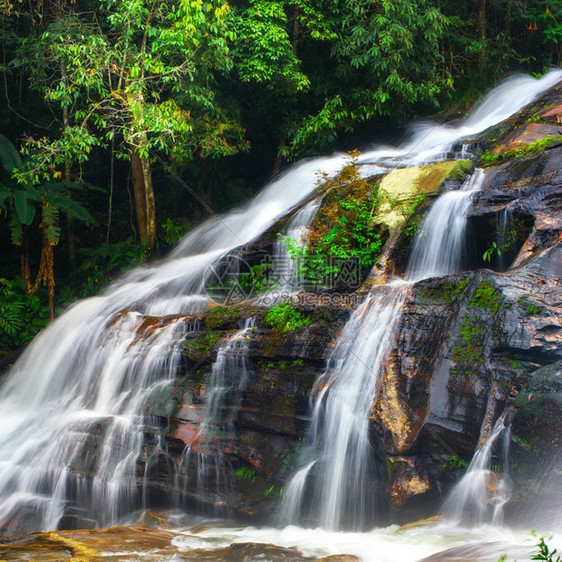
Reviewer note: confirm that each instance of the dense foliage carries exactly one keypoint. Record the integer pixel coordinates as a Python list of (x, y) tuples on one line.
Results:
[(122, 121)]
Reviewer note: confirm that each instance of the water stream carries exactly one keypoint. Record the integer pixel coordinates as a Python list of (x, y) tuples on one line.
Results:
[(339, 433), (438, 245), (77, 406), (481, 494), (339, 462)]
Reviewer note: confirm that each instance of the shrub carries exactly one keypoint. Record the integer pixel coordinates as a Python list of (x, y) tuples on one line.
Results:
[(285, 318)]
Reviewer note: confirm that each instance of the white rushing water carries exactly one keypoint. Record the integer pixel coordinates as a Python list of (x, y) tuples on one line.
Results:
[(479, 497), (437, 248), (338, 462), (86, 382), (425, 542), (229, 376), (339, 434), (289, 277), (75, 410)]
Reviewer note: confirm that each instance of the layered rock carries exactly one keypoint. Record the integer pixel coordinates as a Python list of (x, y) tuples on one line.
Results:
[(468, 346)]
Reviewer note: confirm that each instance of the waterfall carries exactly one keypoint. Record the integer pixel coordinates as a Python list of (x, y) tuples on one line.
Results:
[(339, 458), (284, 279), (229, 376), (85, 425), (437, 247), (78, 404), (482, 492), (429, 142), (339, 434), (503, 221), (82, 402), (202, 466)]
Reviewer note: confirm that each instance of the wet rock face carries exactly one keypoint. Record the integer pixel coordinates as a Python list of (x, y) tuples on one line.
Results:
[(468, 346), (136, 543)]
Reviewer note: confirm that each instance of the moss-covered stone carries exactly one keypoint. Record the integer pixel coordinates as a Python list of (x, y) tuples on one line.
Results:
[(198, 345), (407, 184), (486, 296), (545, 386), (222, 317), (444, 293)]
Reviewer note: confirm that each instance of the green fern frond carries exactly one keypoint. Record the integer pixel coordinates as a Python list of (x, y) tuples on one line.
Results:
[(71, 208), (10, 318), (50, 221), (16, 229)]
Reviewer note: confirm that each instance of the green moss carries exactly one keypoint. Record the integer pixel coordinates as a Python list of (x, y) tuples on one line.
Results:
[(469, 350), (536, 146), (405, 189), (285, 318), (221, 317), (489, 159), (530, 309), (447, 292), (198, 345), (486, 296)]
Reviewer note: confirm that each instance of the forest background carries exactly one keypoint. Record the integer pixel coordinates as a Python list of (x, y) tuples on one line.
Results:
[(125, 123)]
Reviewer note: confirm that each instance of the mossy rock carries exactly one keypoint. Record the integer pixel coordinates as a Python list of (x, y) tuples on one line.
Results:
[(409, 183), (544, 387), (199, 345), (222, 318), (443, 292)]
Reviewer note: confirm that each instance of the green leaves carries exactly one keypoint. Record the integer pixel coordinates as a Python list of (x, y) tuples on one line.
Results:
[(21, 199), (9, 156), (21, 316), (264, 52), (548, 14), (386, 57), (285, 318), (24, 207)]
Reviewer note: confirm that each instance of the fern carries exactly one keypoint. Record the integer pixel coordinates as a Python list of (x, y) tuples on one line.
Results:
[(21, 316), (16, 230), (50, 223), (71, 208), (10, 318), (10, 309)]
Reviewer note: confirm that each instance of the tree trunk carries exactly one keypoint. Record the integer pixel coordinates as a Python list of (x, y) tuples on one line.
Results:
[(67, 177), (144, 199), (482, 35)]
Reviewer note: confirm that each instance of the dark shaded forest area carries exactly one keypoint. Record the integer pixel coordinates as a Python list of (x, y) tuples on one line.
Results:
[(124, 123)]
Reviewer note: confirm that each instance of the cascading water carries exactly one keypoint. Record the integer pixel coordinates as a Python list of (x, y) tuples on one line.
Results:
[(339, 433), (339, 460), (229, 375), (88, 425), (289, 278), (503, 221), (437, 248), (77, 407), (228, 379), (284, 279), (84, 386), (429, 142), (482, 492)]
